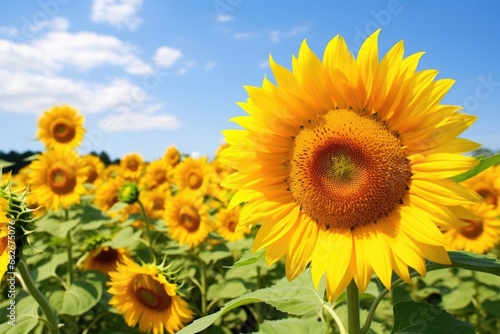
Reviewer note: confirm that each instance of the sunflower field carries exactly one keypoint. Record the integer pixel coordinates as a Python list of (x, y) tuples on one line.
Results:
[(345, 203)]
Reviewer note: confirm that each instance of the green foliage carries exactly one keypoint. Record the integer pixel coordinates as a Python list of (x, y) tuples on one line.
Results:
[(483, 164)]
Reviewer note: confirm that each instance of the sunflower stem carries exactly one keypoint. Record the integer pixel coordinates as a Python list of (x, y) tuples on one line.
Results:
[(335, 318), (69, 264), (353, 322), (52, 321), (148, 231)]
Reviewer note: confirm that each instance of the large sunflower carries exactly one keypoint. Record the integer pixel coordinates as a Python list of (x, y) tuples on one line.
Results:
[(61, 126), (187, 219), (57, 178), (144, 296), (479, 235), (346, 163)]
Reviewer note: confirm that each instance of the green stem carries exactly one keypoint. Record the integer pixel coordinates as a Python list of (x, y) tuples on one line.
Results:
[(69, 265), (52, 321), (335, 318), (148, 231), (203, 290), (353, 323)]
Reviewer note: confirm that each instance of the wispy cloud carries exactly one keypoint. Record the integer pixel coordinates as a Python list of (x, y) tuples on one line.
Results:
[(137, 121), (245, 35), (117, 13), (166, 56), (223, 18), (277, 35)]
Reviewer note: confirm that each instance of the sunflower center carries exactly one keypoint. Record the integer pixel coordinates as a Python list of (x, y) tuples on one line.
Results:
[(474, 230), (108, 255), (61, 178), (231, 225), (346, 169), (189, 218), (151, 293), (62, 130), (132, 165), (158, 204), (194, 180), (160, 176), (91, 175), (488, 193)]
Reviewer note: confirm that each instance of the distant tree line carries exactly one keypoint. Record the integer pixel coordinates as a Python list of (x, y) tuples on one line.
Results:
[(17, 160)]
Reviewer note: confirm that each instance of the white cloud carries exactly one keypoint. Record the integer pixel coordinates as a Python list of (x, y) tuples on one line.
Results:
[(277, 35), (117, 13), (224, 18), (166, 56), (137, 121), (32, 77), (245, 35), (186, 66)]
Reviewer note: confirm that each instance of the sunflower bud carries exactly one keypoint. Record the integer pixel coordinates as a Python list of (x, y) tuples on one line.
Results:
[(129, 193)]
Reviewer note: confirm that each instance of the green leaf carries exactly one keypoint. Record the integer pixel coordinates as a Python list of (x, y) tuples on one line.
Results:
[(43, 271), (55, 226), (81, 296), (492, 306), (470, 261), (26, 316), (125, 237), (411, 317), (5, 164), (226, 289), (214, 254), (292, 326), (249, 258), (297, 297), (484, 163), (459, 297)]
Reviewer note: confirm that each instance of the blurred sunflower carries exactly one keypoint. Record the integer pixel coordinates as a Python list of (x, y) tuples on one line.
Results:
[(143, 296), (193, 175), (172, 156), (226, 222), (156, 174), (106, 194), (479, 235), (111, 171), (61, 126), (104, 259), (346, 163), (187, 219), (4, 236), (57, 178), (95, 167), (132, 166), (154, 201), (486, 184)]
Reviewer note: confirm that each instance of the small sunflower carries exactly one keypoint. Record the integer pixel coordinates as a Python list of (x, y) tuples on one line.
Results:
[(226, 222), (104, 259), (95, 167), (193, 175), (157, 174), (144, 296), (187, 219), (480, 235), (111, 171), (346, 162), (132, 166), (487, 184), (154, 201), (172, 156), (61, 126), (106, 193), (57, 178)]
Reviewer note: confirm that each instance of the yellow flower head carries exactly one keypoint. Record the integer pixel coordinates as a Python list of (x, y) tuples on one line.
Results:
[(132, 166), (226, 222), (104, 259), (193, 175), (157, 175), (346, 162), (95, 167), (479, 235), (187, 219), (172, 156), (487, 184), (57, 178), (142, 295), (61, 126)]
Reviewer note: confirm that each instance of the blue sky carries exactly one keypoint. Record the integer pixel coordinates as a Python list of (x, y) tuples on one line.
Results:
[(150, 74)]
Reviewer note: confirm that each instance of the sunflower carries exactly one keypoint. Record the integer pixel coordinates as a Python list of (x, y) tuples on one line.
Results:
[(193, 175), (132, 166), (61, 126), (487, 184), (157, 174), (346, 163), (480, 235), (104, 259), (4, 236), (144, 296), (187, 219), (106, 193), (111, 171), (95, 167), (154, 201), (172, 156), (226, 222), (57, 178)]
